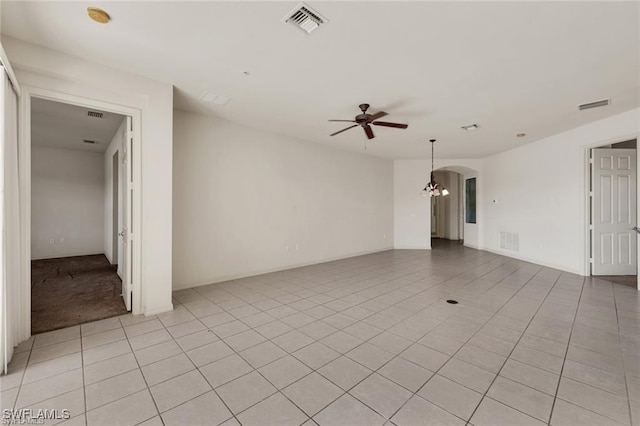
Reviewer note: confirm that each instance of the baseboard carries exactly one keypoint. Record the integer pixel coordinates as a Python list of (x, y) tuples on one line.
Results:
[(412, 248), (70, 255), (535, 261), (160, 310), (473, 246), (222, 279)]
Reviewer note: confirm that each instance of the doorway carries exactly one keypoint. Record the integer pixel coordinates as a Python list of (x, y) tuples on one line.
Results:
[(78, 214), (613, 212), (447, 211)]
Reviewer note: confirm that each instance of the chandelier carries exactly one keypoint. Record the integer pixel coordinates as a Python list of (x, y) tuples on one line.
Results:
[(432, 189)]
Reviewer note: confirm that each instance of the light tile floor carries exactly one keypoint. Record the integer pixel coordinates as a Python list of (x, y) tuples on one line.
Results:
[(363, 341)]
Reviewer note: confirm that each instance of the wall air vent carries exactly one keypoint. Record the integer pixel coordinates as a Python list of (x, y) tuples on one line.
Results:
[(596, 104), (510, 241), (94, 114), (89, 141), (305, 18)]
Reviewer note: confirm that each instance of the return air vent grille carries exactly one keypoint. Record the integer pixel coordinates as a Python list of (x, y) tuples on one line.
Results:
[(305, 18), (510, 241), (596, 104), (94, 114)]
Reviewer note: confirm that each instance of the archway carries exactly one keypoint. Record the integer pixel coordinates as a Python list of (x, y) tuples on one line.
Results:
[(454, 218)]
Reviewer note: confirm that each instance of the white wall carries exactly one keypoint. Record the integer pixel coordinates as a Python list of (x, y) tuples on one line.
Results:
[(248, 201), (115, 145), (412, 221), (539, 192), (50, 70), (67, 203)]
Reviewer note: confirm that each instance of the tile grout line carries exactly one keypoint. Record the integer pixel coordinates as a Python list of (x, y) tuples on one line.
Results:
[(24, 372), (155, 317), (624, 368), (564, 359), (467, 342), (366, 341), (392, 286), (497, 374), (84, 387), (148, 388), (451, 356), (490, 259), (197, 368)]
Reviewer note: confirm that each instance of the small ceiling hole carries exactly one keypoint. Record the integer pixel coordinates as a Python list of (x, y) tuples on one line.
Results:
[(453, 302)]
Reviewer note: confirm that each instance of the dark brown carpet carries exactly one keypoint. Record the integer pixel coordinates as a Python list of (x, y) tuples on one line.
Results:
[(73, 290)]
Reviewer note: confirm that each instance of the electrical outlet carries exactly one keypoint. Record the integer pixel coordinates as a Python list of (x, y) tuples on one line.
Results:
[(286, 248), (62, 240), (52, 241), (297, 247)]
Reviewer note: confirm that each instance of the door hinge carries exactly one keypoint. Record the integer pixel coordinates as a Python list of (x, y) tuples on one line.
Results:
[(591, 260), (590, 193), (591, 227), (590, 160)]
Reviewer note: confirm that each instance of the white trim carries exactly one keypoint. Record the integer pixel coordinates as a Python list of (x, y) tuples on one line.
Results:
[(533, 261), (473, 246), (25, 185), (412, 248), (162, 310), (4, 60), (268, 271)]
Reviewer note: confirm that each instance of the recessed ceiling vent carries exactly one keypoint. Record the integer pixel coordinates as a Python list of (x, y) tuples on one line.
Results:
[(90, 141), (596, 104), (94, 114), (305, 18)]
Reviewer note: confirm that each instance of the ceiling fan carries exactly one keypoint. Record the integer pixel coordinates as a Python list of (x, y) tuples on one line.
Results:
[(365, 120)]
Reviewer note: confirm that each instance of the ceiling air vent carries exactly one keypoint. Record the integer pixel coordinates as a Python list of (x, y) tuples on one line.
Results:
[(94, 114), (89, 141), (596, 104), (305, 18)]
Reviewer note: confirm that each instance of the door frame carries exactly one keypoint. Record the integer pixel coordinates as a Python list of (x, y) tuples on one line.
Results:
[(586, 156), (24, 152), (116, 205)]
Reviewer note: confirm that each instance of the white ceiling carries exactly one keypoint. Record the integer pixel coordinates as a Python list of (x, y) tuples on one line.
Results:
[(59, 125), (511, 67)]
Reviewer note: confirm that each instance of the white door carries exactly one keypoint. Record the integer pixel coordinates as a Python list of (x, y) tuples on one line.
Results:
[(126, 233), (613, 212)]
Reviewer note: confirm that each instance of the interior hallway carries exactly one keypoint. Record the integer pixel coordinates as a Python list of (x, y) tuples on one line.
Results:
[(73, 290), (357, 341)]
